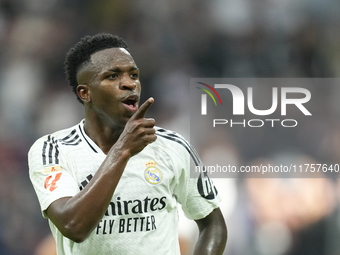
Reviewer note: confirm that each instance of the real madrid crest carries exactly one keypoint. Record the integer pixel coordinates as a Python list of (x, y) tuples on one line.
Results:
[(152, 174)]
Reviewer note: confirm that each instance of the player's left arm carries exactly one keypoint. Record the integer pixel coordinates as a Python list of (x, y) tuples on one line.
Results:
[(212, 234)]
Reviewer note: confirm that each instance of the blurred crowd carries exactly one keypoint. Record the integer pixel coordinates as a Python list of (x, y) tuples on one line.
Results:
[(171, 42)]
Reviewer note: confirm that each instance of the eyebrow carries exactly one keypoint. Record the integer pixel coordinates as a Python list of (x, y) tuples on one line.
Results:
[(118, 69)]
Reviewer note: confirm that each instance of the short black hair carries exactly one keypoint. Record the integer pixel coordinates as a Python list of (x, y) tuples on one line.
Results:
[(82, 51)]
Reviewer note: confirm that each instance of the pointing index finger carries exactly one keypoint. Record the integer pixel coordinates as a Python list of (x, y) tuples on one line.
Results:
[(143, 108)]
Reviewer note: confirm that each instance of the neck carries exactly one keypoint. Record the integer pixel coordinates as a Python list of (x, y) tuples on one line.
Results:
[(104, 134)]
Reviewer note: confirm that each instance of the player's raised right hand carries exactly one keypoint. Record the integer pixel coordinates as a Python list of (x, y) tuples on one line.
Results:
[(138, 131)]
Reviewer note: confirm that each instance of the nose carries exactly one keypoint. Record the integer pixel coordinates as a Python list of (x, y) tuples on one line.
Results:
[(127, 83)]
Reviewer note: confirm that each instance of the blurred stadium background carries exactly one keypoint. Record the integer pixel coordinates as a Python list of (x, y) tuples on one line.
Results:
[(172, 41)]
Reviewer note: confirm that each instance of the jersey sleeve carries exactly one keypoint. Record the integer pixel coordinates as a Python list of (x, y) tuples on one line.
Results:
[(195, 191), (50, 173)]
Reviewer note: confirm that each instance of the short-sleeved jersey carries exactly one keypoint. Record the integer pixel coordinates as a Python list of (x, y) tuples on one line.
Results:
[(142, 216)]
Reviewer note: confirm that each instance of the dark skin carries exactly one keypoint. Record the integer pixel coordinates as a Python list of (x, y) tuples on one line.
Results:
[(110, 89)]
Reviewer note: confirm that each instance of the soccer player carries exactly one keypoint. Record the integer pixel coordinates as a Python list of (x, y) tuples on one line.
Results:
[(111, 184)]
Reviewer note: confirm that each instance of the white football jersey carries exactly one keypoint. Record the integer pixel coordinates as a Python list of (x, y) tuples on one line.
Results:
[(142, 216)]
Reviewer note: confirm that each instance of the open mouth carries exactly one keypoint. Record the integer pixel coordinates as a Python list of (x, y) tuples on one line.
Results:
[(131, 103)]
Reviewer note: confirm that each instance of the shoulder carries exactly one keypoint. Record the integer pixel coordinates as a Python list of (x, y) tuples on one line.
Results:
[(67, 135), (171, 138), (175, 142), (53, 141)]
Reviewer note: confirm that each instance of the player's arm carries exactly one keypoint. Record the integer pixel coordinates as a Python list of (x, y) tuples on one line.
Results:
[(212, 234), (77, 216)]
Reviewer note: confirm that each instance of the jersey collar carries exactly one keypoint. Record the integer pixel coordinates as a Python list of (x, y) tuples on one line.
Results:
[(89, 141)]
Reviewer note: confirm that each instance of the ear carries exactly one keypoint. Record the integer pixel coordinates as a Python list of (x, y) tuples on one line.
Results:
[(84, 93)]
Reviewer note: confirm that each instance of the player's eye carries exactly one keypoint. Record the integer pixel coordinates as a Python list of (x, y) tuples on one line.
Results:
[(135, 75), (113, 76)]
